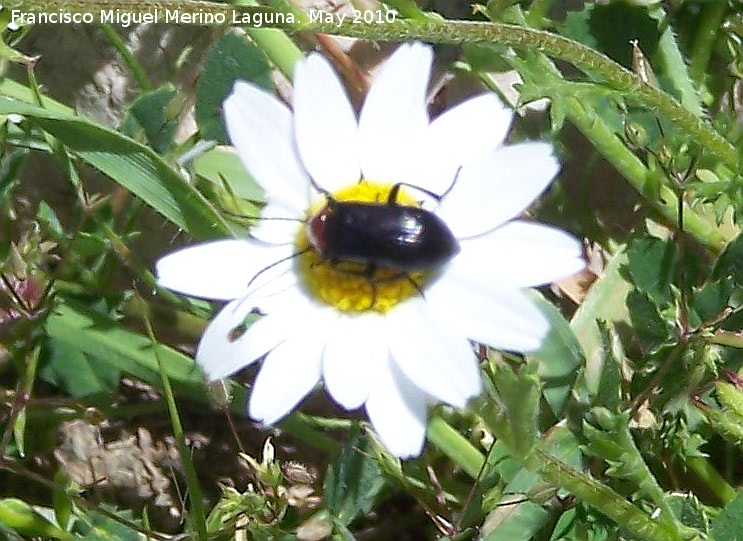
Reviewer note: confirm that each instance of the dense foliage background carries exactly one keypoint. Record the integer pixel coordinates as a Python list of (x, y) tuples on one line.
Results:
[(627, 424)]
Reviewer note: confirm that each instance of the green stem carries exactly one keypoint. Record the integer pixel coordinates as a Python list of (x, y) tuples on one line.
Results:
[(455, 446), (630, 166), (129, 59), (600, 496), (194, 490), (593, 63), (712, 480)]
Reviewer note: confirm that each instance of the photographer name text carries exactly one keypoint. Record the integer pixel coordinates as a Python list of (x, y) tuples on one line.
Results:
[(255, 18)]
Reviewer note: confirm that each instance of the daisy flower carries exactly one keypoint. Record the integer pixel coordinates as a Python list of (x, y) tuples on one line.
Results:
[(390, 341)]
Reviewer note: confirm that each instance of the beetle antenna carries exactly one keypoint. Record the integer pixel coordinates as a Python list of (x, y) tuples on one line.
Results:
[(319, 188), (275, 263), (392, 199), (451, 186)]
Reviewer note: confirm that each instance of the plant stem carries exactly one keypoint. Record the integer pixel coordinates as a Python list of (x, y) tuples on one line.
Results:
[(194, 490), (130, 60), (600, 496), (595, 64), (455, 446)]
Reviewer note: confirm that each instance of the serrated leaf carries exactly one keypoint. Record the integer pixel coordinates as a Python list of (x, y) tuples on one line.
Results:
[(651, 329), (151, 114), (730, 262), (610, 383), (559, 358), (689, 511), (514, 419), (134, 166), (233, 57), (652, 264), (354, 481), (608, 28)]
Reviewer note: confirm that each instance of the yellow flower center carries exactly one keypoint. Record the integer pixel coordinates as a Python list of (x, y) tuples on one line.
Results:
[(356, 287)]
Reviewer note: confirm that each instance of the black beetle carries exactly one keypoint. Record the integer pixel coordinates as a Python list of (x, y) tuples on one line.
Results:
[(382, 235)]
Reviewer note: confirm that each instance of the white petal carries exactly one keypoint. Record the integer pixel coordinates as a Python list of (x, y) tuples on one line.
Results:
[(439, 360), (220, 360), (504, 319), (325, 125), (278, 224), (260, 128), (289, 372), (394, 119), (523, 254), (460, 135), (498, 187), (218, 355), (355, 351), (214, 270), (397, 411)]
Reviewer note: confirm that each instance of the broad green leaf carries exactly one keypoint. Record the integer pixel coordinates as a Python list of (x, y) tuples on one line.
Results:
[(77, 373), (730, 262), (354, 481), (513, 412), (652, 266), (152, 114), (650, 328), (97, 526), (559, 359), (220, 165), (136, 167), (233, 57), (606, 300), (728, 526), (515, 522), (100, 337)]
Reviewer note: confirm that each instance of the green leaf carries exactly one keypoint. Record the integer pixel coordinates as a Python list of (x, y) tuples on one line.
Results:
[(610, 384), (136, 167), (609, 27), (559, 358), (606, 300), (728, 526), (233, 57), (515, 409), (689, 511), (100, 337), (730, 262), (651, 329), (96, 526), (77, 373), (21, 517), (151, 114), (220, 165), (652, 265), (354, 481), (515, 522)]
